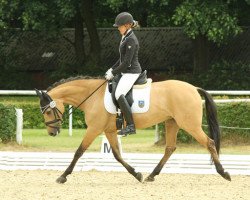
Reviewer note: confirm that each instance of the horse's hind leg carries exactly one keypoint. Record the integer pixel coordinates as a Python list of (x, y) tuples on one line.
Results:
[(112, 138), (171, 135), (91, 134), (211, 148), (208, 143)]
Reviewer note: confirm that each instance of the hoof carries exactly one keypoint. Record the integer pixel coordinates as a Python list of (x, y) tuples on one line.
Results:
[(149, 179), (61, 180), (139, 177), (226, 176)]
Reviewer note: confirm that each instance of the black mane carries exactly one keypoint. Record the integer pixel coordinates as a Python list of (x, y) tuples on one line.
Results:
[(62, 81)]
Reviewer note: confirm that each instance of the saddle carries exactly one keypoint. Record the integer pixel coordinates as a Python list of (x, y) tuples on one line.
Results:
[(142, 79)]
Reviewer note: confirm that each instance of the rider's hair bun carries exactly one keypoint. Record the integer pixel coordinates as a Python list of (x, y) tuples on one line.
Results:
[(135, 24)]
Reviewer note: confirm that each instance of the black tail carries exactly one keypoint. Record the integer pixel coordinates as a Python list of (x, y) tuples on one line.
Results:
[(212, 121)]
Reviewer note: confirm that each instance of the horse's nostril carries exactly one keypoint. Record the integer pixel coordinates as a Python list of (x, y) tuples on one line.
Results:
[(51, 134)]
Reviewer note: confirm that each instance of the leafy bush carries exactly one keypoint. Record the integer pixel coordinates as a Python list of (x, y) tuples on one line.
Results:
[(7, 123), (32, 117), (234, 115), (229, 115)]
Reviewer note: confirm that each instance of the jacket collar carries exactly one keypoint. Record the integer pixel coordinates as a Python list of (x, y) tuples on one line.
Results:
[(128, 33)]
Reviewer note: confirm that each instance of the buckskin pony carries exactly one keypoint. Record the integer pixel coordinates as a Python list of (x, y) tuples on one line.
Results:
[(176, 103)]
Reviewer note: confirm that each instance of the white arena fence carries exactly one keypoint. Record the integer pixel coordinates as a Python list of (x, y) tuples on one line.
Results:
[(178, 163), (105, 161)]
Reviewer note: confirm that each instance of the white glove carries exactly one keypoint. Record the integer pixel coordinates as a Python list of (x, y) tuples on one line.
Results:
[(109, 75)]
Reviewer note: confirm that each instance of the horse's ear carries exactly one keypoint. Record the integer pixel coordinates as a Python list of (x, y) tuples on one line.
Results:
[(39, 94), (44, 94)]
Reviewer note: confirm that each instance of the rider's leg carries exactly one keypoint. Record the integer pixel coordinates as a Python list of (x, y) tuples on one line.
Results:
[(125, 84), (126, 110)]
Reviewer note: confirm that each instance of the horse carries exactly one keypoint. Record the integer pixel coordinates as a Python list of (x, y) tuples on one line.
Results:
[(176, 103)]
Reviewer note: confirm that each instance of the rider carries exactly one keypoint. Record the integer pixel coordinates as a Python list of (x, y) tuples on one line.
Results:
[(127, 66)]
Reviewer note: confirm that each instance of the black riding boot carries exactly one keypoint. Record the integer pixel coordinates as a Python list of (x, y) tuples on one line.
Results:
[(126, 110)]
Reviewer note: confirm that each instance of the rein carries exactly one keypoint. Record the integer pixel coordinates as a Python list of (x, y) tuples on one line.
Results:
[(52, 105), (73, 109)]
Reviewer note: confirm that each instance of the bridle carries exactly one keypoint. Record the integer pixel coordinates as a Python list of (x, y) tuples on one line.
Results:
[(56, 111)]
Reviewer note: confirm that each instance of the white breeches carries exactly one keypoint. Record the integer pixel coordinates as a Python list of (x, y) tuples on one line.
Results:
[(125, 84)]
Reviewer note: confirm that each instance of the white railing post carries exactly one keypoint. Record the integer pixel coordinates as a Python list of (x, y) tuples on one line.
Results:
[(19, 125), (157, 134), (70, 120)]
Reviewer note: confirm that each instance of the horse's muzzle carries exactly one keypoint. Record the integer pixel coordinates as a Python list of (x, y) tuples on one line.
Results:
[(55, 133)]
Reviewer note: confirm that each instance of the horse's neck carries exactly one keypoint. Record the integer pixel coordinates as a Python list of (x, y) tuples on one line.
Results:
[(73, 93)]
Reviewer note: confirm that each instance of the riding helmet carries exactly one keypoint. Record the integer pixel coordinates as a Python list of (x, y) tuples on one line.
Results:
[(123, 18)]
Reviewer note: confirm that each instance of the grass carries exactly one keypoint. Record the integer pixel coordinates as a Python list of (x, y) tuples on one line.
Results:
[(142, 142)]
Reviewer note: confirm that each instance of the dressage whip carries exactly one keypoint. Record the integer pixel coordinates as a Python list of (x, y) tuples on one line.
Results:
[(73, 109)]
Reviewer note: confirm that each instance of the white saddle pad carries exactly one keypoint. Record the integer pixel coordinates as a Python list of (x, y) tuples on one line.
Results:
[(141, 96)]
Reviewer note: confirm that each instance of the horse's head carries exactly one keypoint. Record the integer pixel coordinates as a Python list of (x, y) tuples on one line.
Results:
[(52, 111)]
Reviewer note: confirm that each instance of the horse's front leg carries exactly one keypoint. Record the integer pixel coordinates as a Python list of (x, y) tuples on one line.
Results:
[(88, 139), (112, 138), (78, 154)]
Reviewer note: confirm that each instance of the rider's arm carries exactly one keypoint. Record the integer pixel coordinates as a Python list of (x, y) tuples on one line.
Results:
[(116, 64), (130, 50)]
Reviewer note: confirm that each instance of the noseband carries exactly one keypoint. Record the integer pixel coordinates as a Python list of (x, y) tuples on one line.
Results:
[(56, 111)]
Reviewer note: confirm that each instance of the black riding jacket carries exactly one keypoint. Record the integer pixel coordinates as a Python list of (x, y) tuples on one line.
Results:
[(128, 62)]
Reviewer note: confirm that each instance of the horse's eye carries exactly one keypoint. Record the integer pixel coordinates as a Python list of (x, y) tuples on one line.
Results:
[(48, 112)]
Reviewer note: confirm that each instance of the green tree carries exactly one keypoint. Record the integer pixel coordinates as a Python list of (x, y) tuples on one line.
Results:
[(148, 12), (51, 17), (206, 21)]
